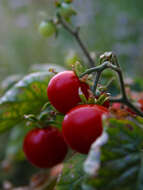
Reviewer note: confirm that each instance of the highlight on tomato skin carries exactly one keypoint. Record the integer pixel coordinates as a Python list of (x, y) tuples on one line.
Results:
[(82, 125), (63, 91), (45, 148)]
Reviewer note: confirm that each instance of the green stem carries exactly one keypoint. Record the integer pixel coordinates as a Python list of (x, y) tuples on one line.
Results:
[(75, 33), (98, 74), (122, 85), (98, 68)]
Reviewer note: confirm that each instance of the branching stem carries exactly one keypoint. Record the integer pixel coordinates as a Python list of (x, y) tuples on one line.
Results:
[(111, 64), (115, 67)]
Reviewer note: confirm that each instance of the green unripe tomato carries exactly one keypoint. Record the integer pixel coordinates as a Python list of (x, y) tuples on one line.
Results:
[(66, 10), (68, 1), (59, 2), (47, 28)]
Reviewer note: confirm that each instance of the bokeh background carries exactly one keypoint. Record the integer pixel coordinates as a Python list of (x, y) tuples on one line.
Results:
[(105, 26)]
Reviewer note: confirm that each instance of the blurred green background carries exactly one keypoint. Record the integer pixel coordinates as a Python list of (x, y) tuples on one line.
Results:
[(105, 26)]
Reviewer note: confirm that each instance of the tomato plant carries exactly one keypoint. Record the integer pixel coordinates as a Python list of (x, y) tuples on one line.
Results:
[(45, 148), (68, 108)]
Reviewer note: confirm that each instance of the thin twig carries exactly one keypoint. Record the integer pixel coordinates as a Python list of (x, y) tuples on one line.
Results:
[(98, 74), (122, 85), (75, 33)]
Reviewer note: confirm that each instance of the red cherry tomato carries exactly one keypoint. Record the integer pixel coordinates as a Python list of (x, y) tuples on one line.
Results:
[(140, 101), (82, 125), (45, 148), (116, 106), (63, 91)]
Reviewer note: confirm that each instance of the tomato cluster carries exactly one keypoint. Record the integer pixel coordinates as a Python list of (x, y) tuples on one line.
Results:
[(81, 126)]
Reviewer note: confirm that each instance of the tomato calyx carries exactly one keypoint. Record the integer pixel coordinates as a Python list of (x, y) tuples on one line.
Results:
[(48, 116), (101, 98)]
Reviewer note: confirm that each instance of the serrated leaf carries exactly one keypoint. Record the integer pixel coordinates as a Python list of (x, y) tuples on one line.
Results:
[(121, 165), (73, 174), (25, 97)]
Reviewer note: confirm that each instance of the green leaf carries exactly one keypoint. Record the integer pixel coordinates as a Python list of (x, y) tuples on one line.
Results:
[(73, 174), (25, 97), (120, 164), (9, 82)]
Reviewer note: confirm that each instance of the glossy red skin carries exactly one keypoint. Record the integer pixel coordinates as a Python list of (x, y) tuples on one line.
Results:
[(63, 91), (45, 148), (82, 125)]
